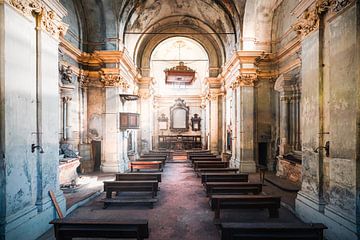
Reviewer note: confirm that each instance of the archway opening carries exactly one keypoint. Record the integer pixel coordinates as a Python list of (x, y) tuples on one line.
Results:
[(168, 54)]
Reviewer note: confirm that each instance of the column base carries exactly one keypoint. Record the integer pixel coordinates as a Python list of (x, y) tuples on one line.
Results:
[(247, 166), (313, 211)]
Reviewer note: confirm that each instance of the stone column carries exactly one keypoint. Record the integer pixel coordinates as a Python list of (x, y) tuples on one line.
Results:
[(214, 131), (238, 127), (146, 108), (284, 123), (234, 136), (111, 133), (68, 123), (247, 126), (203, 123)]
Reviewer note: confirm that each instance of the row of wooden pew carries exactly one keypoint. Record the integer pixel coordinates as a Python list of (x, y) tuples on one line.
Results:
[(227, 189), (120, 191)]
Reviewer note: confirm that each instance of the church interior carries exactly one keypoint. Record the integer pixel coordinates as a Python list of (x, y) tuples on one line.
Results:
[(179, 119)]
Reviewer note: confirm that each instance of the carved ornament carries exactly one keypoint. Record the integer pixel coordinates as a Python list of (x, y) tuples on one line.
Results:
[(309, 19), (26, 7), (48, 20), (52, 24), (83, 78), (244, 80), (113, 80), (66, 74)]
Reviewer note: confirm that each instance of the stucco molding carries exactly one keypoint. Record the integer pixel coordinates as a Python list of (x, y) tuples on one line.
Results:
[(47, 19), (112, 78), (83, 78), (309, 16)]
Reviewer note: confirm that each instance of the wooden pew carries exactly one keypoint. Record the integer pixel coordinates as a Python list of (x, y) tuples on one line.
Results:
[(224, 177), (157, 165), (272, 203), (66, 229), (202, 157), (272, 231), (205, 159), (152, 159), (130, 186), (232, 188), (138, 176), (216, 170), (153, 156), (210, 164)]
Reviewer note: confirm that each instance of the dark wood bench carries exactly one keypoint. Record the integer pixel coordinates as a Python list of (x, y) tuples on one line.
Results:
[(216, 170), (66, 229), (138, 176), (210, 164), (272, 203), (232, 188), (224, 177), (272, 231), (202, 156), (152, 159), (157, 165), (205, 160), (153, 156), (130, 186)]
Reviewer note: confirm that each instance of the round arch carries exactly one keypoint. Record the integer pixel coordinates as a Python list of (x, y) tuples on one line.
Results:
[(177, 27)]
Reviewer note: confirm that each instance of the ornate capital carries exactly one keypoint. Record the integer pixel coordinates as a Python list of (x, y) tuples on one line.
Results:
[(83, 78), (244, 80), (308, 21), (112, 80)]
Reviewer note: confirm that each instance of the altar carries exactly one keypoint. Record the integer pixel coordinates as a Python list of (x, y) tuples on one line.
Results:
[(180, 142)]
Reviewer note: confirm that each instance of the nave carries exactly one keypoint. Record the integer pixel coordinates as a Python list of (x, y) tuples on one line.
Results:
[(182, 210)]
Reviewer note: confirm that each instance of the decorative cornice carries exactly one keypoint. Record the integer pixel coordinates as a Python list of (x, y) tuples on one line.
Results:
[(309, 19), (47, 19), (26, 7), (51, 23)]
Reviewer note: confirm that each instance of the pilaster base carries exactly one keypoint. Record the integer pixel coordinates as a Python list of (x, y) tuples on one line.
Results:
[(339, 226), (30, 223), (247, 167)]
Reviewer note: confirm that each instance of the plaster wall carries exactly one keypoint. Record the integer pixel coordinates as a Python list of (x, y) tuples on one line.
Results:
[(332, 200), (28, 176)]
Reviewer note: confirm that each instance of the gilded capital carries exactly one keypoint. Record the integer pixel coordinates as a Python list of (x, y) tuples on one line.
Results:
[(112, 80)]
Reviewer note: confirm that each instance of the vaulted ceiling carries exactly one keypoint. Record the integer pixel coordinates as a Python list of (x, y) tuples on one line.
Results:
[(107, 24)]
